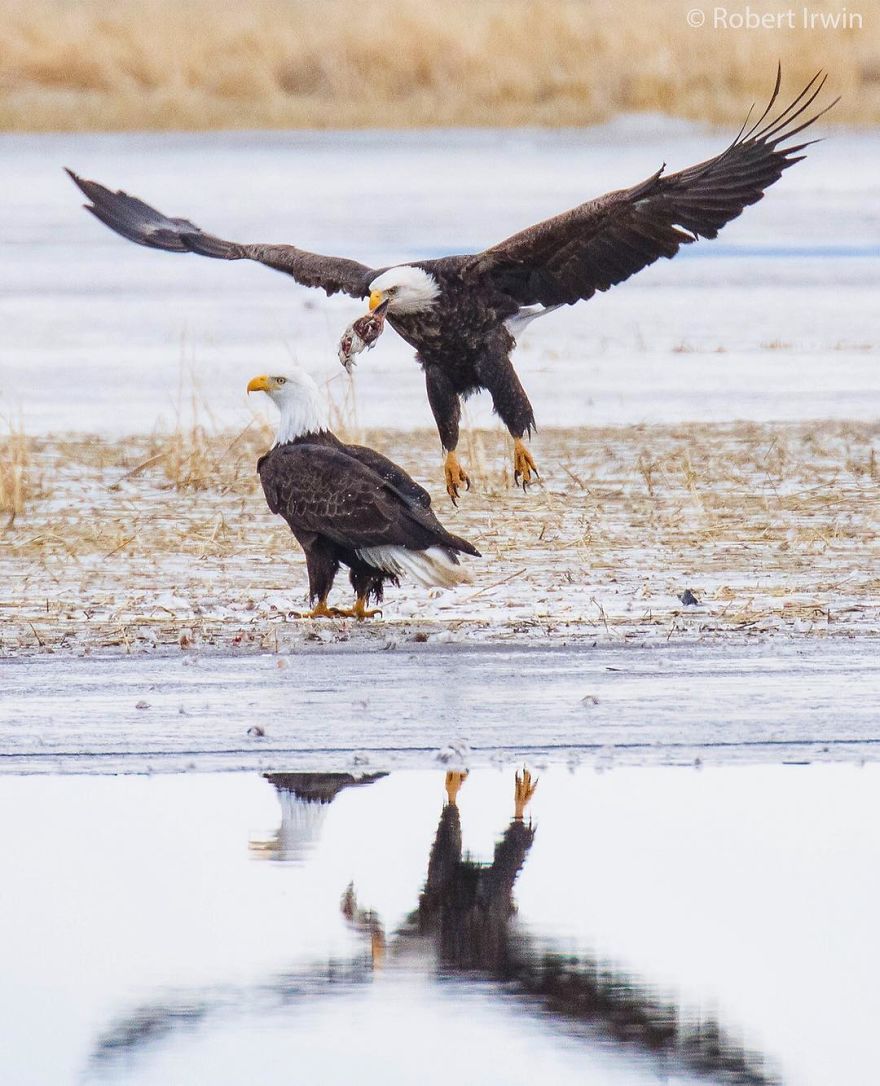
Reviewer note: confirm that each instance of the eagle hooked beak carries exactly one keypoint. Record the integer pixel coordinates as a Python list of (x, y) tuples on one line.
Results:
[(258, 384), (375, 299)]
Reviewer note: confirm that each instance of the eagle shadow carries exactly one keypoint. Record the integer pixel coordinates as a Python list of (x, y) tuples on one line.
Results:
[(464, 929)]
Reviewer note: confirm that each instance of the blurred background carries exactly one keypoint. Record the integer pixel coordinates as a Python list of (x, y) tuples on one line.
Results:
[(74, 65)]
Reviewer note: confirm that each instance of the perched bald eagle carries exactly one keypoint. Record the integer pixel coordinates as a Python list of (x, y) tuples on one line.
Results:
[(462, 313), (349, 505)]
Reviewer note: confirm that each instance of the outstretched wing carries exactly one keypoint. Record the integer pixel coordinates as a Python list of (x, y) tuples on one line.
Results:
[(327, 491), (144, 225), (605, 241)]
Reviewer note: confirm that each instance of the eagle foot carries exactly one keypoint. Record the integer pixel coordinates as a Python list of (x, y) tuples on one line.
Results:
[(454, 780), (321, 610), (360, 611), (456, 476), (523, 464), (523, 790)]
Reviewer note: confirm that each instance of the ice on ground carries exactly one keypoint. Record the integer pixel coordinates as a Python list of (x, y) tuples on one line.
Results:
[(334, 708)]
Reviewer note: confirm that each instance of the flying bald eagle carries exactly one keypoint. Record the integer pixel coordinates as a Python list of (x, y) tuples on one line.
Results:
[(349, 505), (462, 313)]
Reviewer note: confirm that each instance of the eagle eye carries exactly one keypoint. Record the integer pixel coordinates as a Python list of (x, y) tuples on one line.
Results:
[(281, 380)]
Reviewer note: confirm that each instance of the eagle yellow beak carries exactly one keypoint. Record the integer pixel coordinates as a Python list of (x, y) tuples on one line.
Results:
[(258, 384), (375, 299)]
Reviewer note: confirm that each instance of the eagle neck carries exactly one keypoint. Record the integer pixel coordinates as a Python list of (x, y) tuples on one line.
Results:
[(301, 415)]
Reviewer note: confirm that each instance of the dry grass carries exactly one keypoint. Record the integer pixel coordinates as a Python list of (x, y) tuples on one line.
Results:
[(776, 529), (195, 64), (18, 484)]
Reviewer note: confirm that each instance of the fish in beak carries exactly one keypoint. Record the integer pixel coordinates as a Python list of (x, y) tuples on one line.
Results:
[(361, 335)]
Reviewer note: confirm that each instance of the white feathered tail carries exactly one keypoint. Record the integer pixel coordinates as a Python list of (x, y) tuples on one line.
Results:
[(435, 566)]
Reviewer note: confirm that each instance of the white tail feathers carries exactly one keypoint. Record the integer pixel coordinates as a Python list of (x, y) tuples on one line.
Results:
[(435, 566)]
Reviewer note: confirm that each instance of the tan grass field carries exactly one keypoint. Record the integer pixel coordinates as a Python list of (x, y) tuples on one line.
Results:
[(76, 65), (166, 541)]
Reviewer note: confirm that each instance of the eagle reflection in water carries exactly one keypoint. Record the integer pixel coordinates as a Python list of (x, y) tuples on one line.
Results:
[(464, 928)]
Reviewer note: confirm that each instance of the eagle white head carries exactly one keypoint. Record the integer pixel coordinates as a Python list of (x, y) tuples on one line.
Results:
[(406, 289), (302, 407)]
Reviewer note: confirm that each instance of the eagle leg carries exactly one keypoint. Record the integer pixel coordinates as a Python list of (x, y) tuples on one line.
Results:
[(456, 476), (360, 611), (454, 781), (523, 791), (523, 463)]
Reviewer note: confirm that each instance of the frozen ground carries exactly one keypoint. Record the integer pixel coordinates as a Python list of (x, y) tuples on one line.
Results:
[(149, 543), (418, 706), (775, 320)]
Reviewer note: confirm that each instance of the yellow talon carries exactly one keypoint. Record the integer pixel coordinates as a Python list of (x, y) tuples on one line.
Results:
[(523, 791), (360, 610), (321, 610), (523, 463), (454, 781), (456, 476)]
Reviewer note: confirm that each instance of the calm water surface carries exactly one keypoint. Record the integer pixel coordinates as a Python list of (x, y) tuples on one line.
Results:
[(640, 925)]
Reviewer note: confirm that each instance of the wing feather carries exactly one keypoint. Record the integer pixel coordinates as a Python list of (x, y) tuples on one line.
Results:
[(605, 241), (332, 493), (391, 473), (144, 225)]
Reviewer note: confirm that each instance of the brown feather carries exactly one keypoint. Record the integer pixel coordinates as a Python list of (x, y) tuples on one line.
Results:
[(605, 241)]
